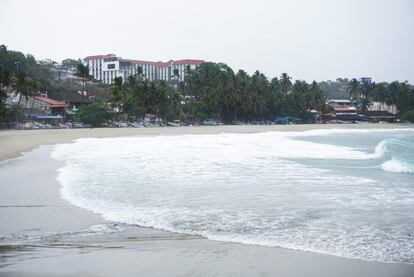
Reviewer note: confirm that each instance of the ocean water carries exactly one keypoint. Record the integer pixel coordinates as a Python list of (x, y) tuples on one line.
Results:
[(348, 193)]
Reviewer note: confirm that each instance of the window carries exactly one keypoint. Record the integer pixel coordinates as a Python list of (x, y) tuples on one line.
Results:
[(111, 66)]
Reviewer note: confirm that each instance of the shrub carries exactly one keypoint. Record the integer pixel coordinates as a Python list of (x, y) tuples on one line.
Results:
[(409, 116), (94, 114)]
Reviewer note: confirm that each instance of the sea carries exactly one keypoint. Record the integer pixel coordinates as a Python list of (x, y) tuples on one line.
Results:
[(342, 192)]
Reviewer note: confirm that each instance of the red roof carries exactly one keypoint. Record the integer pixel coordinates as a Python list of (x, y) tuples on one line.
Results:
[(159, 63), (52, 102), (187, 61), (99, 57), (142, 62)]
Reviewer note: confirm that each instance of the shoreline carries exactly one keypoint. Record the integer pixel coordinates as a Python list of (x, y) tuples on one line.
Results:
[(33, 206), (16, 142)]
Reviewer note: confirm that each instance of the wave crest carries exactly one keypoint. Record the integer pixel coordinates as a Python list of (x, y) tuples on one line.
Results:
[(396, 166)]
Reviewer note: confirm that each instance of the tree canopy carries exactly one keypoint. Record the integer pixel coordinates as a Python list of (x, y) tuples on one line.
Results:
[(400, 94), (213, 90), (94, 114)]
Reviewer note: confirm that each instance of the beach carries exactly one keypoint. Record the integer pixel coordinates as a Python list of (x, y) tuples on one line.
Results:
[(15, 142), (57, 238)]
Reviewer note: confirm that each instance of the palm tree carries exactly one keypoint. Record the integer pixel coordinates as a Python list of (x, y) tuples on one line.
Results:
[(353, 89), (366, 89), (117, 93), (242, 83), (319, 100), (380, 94), (231, 97), (285, 85), (275, 99), (176, 74), (33, 90), (4, 83), (285, 82), (363, 105), (257, 90), (82, 71), (20, 85), (299, 94), (140, 73)]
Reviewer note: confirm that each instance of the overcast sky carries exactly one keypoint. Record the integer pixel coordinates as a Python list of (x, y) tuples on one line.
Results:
[(308, 39)]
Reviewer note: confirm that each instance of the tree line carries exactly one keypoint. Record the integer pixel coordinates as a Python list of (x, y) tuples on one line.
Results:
[(23, 75), (214, 90), (400, 94)]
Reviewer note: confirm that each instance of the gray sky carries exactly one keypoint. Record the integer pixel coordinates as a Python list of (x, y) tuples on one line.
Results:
[(308, 39)]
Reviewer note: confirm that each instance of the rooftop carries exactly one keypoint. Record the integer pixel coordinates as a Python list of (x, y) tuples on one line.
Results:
[(159, 63), (52, 102), (187, 61), (99, 57)]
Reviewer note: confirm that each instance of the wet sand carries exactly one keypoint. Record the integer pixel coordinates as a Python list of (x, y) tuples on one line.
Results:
[(43, 235)]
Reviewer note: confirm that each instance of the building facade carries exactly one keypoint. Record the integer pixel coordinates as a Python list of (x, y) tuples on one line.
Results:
[(106, 68), (342, 109)]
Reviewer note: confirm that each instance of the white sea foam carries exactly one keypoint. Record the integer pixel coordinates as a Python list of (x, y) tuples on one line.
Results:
[(396, 166), (331, 132), (248, 188)]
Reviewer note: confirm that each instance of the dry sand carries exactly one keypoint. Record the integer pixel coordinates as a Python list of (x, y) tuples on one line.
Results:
[(30, 205)]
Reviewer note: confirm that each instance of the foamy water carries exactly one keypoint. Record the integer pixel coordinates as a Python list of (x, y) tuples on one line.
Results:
[(338, 192)]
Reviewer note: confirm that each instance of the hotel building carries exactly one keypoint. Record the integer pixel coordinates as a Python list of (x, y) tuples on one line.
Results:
[(107, 67)]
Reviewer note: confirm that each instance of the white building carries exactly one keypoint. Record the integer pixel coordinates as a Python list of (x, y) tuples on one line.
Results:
[(107, 67)]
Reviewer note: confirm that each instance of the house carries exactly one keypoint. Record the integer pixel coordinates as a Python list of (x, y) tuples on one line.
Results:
[(342, 110), (38, 106), (378, 111), (73, 99)]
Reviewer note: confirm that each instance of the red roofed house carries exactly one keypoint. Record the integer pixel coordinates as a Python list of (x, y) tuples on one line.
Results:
[(44, 107), (342, 109), (39, 106), (107, 67)]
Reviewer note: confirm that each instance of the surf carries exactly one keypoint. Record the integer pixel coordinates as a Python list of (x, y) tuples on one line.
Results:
[(273, 189)]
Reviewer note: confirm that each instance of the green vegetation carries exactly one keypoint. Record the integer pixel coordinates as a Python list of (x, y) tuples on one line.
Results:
[(94, 114), (212, 90), (396, 93), (138, 97), (335, 89), (408, 116), (26, 65), (82, 71), (21, 74), (3, 110), (70, 64)]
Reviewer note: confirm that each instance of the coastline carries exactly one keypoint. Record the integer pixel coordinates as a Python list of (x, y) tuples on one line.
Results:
[(31, 204), (15, 142)]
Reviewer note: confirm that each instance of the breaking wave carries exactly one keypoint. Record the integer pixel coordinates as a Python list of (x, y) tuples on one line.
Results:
[(396, 166), (399, 154), (252, 188)]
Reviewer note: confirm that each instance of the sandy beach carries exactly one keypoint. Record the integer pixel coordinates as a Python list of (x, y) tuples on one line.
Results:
[(14, 142), (59, 239)]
